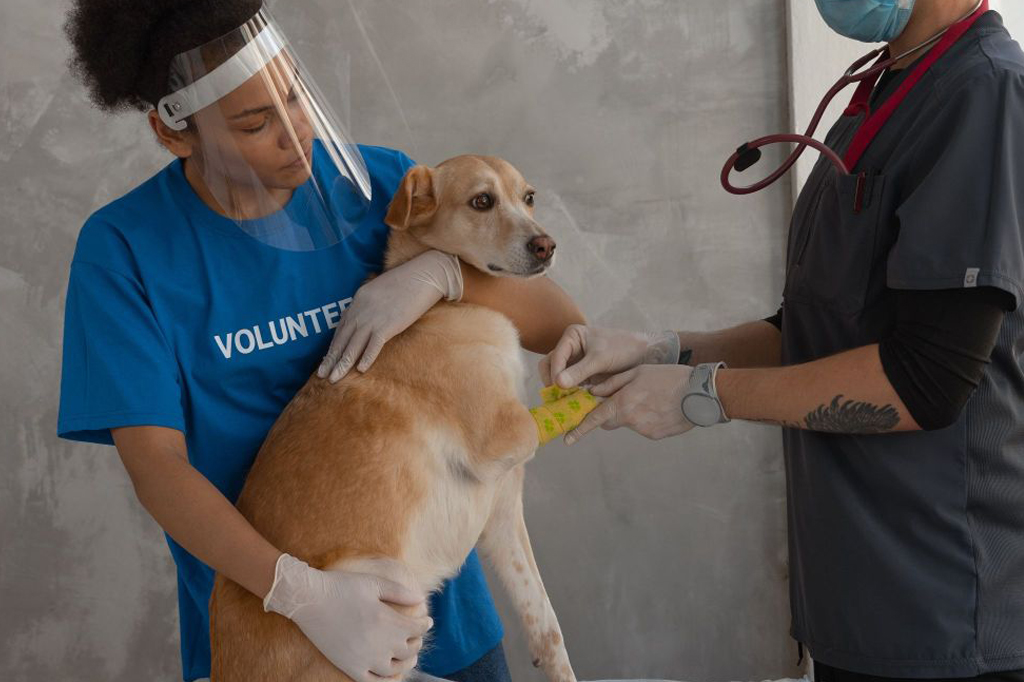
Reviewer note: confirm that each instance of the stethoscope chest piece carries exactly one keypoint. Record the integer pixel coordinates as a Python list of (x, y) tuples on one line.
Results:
[(747, 157)]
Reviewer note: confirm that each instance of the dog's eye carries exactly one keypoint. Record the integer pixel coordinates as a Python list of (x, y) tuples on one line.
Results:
[(529, 199), (482, 202)]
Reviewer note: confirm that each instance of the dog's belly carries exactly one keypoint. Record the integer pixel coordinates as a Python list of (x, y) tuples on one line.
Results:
[(468, 464), (447, 522), (464, 464)]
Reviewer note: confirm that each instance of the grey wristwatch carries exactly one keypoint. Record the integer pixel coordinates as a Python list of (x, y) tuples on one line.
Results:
[(701, 405)]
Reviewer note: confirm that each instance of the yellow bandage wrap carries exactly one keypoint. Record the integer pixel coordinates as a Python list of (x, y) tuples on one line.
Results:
[(562, 411)]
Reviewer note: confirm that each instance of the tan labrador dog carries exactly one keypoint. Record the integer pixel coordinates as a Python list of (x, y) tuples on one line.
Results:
[(402, 470)]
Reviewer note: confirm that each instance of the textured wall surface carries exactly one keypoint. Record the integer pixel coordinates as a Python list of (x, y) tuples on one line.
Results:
[(662, 559)]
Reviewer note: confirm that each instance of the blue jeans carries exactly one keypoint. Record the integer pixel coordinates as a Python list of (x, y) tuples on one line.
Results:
[(490, 668)]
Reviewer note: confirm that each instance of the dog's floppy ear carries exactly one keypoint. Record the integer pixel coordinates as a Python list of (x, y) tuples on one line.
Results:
[(414, 203)]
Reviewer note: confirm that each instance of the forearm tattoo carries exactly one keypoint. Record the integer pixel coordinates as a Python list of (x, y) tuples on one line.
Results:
[(852, 417), (685, 356)]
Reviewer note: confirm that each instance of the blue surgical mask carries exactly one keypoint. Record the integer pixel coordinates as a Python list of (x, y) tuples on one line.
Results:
[(870, 21)]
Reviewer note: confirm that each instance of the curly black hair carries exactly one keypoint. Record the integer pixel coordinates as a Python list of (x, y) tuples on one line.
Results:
[(122, 49)]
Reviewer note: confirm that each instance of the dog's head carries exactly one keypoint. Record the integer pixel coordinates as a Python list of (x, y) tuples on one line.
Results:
[(478, 208)]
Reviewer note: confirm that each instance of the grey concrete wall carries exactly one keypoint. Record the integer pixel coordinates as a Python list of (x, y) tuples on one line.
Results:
[(662, 559)]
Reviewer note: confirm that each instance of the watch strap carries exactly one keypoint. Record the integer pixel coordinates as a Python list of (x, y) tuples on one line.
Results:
[(702, 383)]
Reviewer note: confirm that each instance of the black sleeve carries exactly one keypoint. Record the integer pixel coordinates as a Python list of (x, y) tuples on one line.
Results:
[(776, 319), (943, 341)]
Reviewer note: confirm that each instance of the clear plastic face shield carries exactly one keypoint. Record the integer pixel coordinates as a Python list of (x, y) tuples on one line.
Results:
[(271, 155)]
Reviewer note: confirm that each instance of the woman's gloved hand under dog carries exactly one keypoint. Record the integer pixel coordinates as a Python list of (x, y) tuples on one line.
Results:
[(590, 355), (348, 616)]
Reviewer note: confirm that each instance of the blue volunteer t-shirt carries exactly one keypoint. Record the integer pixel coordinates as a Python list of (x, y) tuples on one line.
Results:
[(175, 317)]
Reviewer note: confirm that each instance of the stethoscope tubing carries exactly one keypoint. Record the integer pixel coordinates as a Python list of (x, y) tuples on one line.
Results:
[(854, 74), (803, 141)]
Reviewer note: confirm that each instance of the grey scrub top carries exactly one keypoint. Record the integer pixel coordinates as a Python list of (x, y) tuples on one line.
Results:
[(907, 549)]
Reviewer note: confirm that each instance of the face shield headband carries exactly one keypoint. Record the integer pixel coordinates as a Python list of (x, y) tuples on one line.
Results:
[(176, 107), (271, 153)]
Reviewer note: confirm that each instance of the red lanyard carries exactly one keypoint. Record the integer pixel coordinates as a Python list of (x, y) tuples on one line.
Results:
[(875, 121)]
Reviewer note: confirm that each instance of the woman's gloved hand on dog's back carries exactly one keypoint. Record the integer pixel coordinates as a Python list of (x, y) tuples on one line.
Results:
[(348, 616), (590, 355), (388, 305)]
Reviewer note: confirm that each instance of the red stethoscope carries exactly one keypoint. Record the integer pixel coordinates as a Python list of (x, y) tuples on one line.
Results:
[(750, 153)]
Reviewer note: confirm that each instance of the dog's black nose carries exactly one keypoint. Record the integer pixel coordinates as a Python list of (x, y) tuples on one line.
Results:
[(542, 248)]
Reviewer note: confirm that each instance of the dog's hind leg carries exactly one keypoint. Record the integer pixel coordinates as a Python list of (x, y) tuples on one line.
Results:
[(506, 545)]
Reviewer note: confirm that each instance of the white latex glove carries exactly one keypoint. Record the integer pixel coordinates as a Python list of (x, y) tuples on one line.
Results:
[(388, 305), (591, 354), (348, 618), (647, 399)]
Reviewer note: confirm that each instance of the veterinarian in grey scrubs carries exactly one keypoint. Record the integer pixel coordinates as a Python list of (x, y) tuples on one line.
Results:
[(894, 364)]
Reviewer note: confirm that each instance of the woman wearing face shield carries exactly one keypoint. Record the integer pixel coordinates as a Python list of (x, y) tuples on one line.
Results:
[(201, 301), (894, 365)]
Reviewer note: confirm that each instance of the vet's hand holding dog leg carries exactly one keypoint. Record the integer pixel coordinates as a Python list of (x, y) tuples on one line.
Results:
[(658, 401), (591, 354), (639, 374), (346, 615), (598, 353)]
